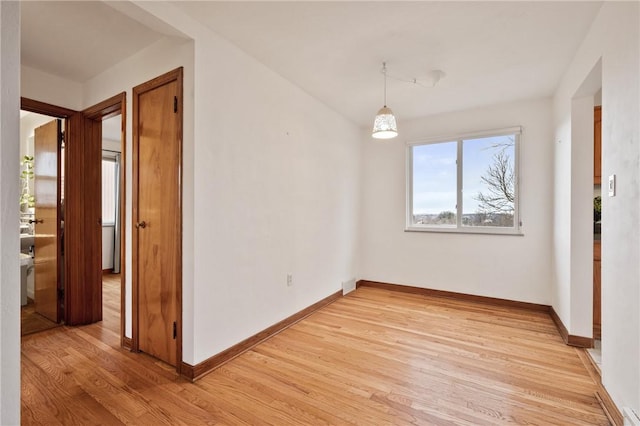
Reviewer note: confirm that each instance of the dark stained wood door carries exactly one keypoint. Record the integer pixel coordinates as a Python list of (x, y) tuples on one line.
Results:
[(157, 216), (47, 140)]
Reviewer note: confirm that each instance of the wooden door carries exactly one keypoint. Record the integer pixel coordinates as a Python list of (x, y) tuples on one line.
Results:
[(157, 218), (597, 145), (597, 284), (47, 140)]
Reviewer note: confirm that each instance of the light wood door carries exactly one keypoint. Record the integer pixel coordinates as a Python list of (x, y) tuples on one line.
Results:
[(157, 217), (47, 140)]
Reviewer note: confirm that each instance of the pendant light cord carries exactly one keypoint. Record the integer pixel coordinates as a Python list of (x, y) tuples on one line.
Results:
[(384, 71)]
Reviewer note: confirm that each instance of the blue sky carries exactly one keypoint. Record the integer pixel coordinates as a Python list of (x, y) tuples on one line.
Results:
[(434, 171)]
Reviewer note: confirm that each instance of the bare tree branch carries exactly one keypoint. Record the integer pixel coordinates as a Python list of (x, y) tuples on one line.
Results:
[(500, 181)]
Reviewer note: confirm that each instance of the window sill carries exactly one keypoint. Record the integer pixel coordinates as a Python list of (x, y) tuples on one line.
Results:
[(476, 231)]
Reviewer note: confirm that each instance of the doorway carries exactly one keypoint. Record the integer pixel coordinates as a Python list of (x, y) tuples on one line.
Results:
[(586, 177), (104, 135), (79, 252), (41, 198), (111, 222), (595, 352)]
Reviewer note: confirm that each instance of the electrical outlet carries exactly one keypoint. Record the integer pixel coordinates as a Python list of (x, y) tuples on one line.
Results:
[(289, 280)]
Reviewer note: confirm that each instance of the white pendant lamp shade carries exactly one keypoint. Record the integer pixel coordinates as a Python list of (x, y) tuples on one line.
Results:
[(384, 126)]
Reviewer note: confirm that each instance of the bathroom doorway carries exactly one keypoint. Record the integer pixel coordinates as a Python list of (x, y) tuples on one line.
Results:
[(41, 200), (79, 291)]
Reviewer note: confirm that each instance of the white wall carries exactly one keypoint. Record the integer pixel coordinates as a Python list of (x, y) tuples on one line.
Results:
[(613, 38), (573, 213), (581, 211), (276, 183), (508, 267), (111, 145), (107, 246), (9, 246), (51, 89)]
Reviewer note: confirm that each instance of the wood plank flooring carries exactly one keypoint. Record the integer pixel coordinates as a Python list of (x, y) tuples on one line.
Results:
[(374, 357), (33, 322)]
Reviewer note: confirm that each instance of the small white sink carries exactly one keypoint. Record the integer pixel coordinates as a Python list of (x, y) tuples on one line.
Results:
[(25, 260)]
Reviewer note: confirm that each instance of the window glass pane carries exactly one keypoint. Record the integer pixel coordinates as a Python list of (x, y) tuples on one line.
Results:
[(108, 192), (434, 184), (488, 181)]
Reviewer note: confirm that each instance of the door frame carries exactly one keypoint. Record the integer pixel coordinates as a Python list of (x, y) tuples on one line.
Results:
[(80, 299), (174, 75), (65, 114), (93, 117)]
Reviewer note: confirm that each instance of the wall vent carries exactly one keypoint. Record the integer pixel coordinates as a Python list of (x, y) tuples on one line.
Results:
[(348, 286)]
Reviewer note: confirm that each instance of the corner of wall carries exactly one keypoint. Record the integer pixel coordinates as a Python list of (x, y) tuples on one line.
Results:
[(9, 246)]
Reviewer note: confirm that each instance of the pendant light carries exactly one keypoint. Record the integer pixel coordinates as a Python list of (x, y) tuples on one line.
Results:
[(384, 125)]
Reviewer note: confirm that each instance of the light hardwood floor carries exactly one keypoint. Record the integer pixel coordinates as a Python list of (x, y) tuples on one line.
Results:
[(33, 322), (374, 357)]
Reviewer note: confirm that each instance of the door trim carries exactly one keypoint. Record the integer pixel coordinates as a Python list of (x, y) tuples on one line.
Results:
[(116, 105), (38, 107), (79, 301), (56, 112), (177, 76)]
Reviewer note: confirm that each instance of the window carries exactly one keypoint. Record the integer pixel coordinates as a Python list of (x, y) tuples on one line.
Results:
[(109, 185), (467, 183)]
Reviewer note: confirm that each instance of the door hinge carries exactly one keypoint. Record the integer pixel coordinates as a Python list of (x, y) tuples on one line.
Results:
[(175, 330), (62, 136), (175, 104), (60, 293)]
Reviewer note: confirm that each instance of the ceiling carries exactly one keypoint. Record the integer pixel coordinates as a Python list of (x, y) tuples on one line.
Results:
[(78, 40), (491, 52)]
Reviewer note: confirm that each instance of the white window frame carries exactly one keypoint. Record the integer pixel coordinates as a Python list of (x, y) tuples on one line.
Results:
[(458, 228), (111, 158)]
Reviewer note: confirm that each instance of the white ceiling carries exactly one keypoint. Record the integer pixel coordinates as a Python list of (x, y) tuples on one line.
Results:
[(491, 52), (78, 40)]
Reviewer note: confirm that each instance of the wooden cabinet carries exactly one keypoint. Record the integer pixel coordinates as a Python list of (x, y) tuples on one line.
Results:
[(596, 290), (597, 145)]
